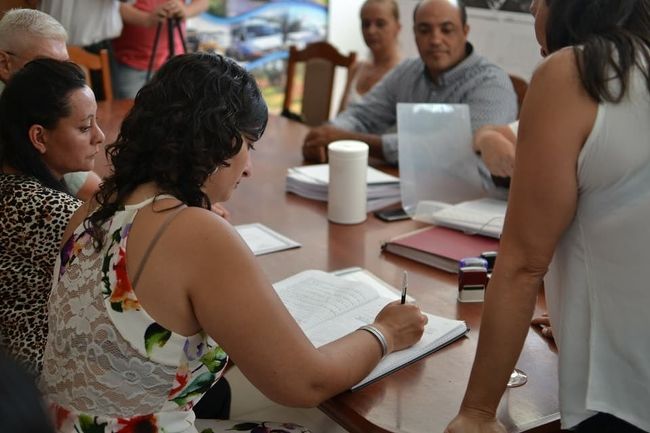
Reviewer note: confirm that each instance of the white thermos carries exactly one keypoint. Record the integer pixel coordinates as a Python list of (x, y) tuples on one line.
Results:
[(348, 169)]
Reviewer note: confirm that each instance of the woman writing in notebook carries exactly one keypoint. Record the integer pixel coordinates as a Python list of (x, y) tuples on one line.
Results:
[(579, 206), (147, 273), (380, 27)]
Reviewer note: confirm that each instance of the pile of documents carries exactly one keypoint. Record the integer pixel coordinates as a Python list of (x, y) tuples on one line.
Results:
[(263, 240), (311, 181), (483, 216)]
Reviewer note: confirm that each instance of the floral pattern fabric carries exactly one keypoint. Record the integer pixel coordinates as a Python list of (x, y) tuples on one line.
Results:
[(108, 366)]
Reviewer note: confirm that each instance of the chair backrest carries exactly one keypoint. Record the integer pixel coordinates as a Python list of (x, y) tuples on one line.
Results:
[(94, 62), (321, 60), (521, 86)]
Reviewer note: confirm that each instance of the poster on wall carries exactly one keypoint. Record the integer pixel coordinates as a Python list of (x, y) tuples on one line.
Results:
[(258, 33), (502, 5), (503, 31)]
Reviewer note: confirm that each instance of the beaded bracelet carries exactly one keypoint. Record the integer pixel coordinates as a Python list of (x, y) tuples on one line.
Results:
[(379, 336)]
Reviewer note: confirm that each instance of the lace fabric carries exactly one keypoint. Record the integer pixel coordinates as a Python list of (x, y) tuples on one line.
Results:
[(108, 365)]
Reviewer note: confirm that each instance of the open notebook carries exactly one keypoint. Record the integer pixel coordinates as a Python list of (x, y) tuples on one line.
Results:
[(328, 306)]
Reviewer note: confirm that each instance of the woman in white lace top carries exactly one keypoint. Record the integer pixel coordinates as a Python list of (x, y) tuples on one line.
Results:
[(152, 289)]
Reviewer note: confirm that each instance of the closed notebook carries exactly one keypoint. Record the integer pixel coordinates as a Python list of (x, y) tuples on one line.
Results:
[(440, 247)]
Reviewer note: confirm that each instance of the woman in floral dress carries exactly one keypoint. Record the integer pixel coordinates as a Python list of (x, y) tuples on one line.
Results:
[(149, 279)]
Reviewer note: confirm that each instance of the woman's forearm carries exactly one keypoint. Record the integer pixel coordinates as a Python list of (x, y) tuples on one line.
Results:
[(509, 305)]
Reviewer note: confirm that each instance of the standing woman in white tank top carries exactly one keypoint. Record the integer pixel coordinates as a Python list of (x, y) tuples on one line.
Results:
[(579, 208), (380, 27)]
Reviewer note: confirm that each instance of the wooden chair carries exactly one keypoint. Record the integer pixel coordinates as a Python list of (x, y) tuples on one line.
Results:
[(94, 62), (521, 86), (321, 60)]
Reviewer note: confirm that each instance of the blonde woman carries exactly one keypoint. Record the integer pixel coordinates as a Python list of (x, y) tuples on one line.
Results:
[(380, 27)]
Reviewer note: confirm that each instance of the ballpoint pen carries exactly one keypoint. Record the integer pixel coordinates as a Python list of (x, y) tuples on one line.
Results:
[(405, 283)]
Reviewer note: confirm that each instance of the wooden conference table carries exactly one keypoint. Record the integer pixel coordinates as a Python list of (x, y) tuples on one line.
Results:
[(426, 395)]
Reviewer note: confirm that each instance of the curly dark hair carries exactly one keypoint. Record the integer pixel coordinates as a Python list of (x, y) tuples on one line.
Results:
[(188, 121), (38, 94), (609, 38)]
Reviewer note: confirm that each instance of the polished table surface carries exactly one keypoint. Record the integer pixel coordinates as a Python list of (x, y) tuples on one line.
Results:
[(424, 396)]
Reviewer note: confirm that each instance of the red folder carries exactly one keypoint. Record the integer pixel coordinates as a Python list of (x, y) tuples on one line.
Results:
[(440, 247)]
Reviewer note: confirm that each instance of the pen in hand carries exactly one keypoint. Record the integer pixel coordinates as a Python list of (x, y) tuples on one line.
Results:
[(405, 283)]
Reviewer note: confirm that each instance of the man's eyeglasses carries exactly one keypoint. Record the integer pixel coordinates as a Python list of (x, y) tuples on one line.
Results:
[(14, 54)]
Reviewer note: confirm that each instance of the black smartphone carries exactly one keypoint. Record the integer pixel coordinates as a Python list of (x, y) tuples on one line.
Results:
[(392, 214)]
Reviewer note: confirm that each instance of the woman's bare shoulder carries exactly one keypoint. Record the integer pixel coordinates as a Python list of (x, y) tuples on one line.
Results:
[(557, 98), (560, 67), (202, 228)]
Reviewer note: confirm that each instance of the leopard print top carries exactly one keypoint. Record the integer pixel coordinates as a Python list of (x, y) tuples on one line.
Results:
[(32, 221)]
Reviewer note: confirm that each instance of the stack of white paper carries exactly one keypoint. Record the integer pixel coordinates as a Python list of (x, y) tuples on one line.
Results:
[(263, 240), (484, 216), (311, 181)]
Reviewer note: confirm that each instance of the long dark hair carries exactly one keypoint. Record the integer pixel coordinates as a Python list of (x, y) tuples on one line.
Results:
[(38, 94), (188, 121), (609, 37)]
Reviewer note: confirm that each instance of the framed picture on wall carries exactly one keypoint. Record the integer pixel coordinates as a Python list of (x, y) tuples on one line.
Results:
[(258, 34), (502, 5)]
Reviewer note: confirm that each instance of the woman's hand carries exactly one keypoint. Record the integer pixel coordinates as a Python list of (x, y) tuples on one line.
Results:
[(469, 422), (156, 16), (543, 322), (401, 324), (314, 148), (221, 211), (175, 9)]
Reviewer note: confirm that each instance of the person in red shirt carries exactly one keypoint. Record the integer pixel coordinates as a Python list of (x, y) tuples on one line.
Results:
[(134, 48)]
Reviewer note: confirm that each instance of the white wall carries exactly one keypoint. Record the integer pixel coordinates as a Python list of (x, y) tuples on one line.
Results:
[(506, 38)]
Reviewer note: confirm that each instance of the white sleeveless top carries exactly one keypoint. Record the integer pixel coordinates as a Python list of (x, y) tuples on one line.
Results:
[(353, 95), (598, 286)]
